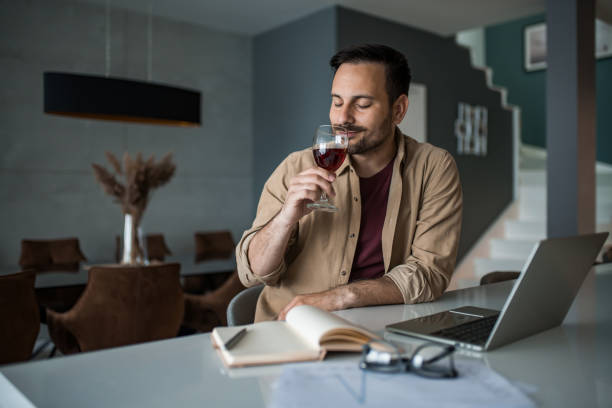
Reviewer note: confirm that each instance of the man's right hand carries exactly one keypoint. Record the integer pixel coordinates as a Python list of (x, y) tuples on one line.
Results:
[(268, 246), (305, 187)]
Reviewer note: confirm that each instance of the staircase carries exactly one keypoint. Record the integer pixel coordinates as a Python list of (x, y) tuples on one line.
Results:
[(509, 242)]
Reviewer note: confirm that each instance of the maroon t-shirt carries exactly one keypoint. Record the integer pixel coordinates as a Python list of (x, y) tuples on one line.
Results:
[(368, 262)]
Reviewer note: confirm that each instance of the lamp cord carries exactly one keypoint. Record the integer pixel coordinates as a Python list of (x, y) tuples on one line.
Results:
[(108, 45), (150, 40)]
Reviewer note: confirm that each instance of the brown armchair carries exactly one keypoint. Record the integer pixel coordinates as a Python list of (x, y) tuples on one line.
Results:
[(498, 276), (51, 254), (203, 312), (208, 246), (213, 245), (121, 305), (19, 317)]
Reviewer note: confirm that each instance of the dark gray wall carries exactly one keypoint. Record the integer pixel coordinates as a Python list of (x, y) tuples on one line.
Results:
[(46, 182), (445, 69), (292, 82), (291, 94)]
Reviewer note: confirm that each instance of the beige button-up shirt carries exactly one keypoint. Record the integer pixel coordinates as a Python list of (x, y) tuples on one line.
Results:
[(419, 239)]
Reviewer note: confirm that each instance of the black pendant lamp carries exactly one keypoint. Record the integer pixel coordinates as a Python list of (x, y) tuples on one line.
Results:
[(98, 97), (108, 98)]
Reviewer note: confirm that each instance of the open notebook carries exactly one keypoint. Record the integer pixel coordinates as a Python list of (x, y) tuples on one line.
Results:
[(306, 335)]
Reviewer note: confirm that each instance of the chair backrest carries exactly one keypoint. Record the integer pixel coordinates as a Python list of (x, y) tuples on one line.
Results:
[(19, 317), (121, 305), (213, 245), (51, 254), (241, 309), (498, 276), (156, 247)]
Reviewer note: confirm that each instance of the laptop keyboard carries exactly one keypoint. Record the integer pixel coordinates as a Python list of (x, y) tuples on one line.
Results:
[(476, 332)]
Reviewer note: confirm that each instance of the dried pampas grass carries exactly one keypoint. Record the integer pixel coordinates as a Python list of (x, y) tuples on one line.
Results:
[(139, 176)]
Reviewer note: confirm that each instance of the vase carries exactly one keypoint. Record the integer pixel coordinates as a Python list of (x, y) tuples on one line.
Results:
[(134, 251)]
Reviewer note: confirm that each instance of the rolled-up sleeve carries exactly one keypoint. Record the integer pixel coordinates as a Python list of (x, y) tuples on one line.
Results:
[(270, 203), (427, 271)]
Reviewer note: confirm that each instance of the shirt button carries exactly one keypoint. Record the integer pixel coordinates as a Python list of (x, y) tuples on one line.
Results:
[(356, 199), (343, 273), (352, 236)]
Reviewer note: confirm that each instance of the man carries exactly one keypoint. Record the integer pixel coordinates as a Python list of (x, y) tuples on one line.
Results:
[(394, 238)]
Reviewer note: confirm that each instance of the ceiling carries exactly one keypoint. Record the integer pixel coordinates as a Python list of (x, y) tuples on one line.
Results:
[(444, 17)]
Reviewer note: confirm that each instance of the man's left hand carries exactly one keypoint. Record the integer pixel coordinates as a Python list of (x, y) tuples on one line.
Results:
[(325, 300)]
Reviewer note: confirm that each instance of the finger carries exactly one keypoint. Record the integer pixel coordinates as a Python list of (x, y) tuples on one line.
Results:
[(327, 175), (311, 177), (294, 302), (316, 187), (309, 180), (298, 196), (283, 314)]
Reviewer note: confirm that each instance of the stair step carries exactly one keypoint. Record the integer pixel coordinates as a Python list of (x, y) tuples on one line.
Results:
[(535, 210), (482, 266), (603, 194), (535, 230), (538, 178), (532, 178), (511, 248), (527, 230)]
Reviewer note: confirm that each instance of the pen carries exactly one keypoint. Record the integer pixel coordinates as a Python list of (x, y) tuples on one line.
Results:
[(235, 339)]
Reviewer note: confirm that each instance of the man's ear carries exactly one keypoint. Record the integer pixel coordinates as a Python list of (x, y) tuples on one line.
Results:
[(400, 106)]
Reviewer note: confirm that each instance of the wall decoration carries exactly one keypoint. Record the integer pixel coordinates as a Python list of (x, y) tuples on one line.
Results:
[(534, 40), (471, 130), (603, 39), (535, 47)]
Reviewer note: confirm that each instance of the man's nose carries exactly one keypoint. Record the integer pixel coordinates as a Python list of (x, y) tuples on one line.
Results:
[(343, 116)]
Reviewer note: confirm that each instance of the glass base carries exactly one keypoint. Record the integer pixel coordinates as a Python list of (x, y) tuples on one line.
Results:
[(323, 206)]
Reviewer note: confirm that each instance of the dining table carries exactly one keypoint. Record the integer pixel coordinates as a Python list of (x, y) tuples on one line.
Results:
[(60, 290), (189, 268)]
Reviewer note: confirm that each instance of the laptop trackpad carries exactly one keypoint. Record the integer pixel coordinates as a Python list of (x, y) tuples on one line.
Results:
[(443, 320)]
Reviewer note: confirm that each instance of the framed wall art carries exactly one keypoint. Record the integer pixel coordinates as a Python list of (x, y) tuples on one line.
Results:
[(534, 44)]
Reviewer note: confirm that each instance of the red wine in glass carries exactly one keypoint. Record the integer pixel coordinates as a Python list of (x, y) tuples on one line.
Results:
[(329, 158), (329, 147)]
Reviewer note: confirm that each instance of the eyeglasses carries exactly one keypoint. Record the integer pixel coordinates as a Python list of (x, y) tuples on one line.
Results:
[(429, 360)]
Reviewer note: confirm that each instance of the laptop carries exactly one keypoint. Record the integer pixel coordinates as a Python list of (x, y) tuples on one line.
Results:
[(539, 300)]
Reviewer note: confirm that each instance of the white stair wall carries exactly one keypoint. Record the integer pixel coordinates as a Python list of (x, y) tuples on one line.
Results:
[(508, 243)]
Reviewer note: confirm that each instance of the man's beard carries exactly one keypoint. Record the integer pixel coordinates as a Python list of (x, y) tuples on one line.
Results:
[(373, 141)]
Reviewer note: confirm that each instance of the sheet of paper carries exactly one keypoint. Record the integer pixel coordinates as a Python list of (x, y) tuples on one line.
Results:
[(344, 384), (10, 396)]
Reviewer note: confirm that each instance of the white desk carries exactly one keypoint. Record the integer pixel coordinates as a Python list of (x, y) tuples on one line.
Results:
[(571, 365), (188, 267)]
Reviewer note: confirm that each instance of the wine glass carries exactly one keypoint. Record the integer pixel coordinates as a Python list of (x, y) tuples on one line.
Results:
[(329, 148)]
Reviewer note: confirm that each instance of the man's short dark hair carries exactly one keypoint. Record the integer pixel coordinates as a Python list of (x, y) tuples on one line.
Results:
[(396, 67)]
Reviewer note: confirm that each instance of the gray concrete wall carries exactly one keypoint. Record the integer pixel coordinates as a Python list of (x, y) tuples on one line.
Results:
[(46, 182), (292, 85)]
